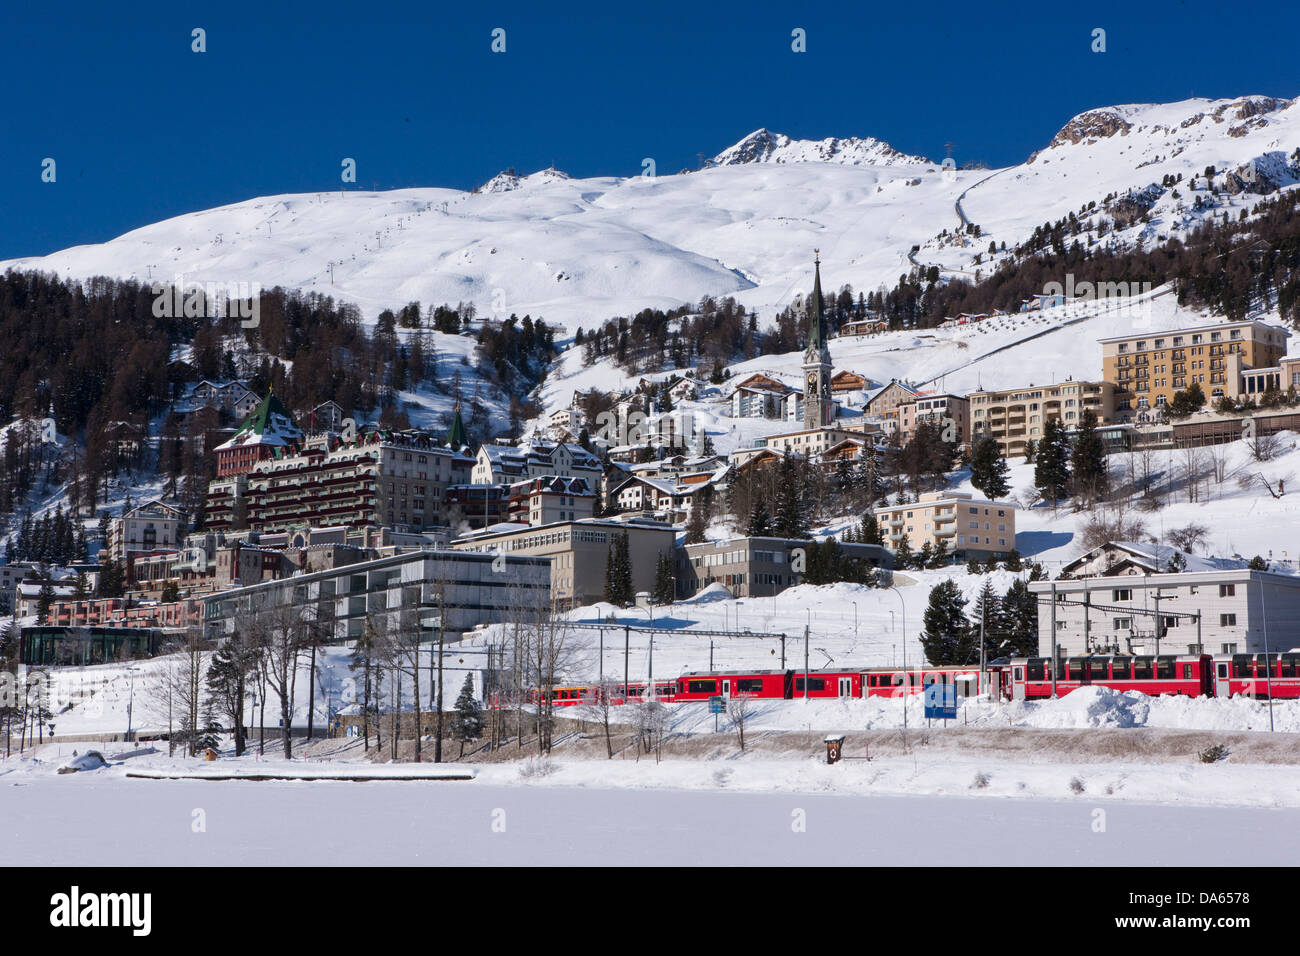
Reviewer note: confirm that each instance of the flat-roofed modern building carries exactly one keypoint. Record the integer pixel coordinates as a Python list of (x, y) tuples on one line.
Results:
[(448, 590), (756, 566), (578, 552)]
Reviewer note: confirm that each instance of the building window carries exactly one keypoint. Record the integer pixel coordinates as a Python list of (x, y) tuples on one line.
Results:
[(1227, 590), (1227, 620)]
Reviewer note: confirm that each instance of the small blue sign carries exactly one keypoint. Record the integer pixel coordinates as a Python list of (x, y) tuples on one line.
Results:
[(717, 705), (941, 701)]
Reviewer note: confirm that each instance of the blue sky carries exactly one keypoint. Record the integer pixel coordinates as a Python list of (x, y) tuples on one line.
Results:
[(142, 128)]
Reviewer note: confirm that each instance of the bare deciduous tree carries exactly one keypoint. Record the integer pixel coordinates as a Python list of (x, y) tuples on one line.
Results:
[(738, 711)]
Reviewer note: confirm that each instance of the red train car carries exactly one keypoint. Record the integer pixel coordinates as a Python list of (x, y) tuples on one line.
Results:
[(1253, 675), (771, 685), (1189, 675), (896, 682), (569, 696)]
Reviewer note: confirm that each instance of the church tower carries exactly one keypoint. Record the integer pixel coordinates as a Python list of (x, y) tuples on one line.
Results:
[(818, 409)]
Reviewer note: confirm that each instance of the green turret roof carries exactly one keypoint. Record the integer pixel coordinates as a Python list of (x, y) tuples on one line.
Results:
[(456, 437)]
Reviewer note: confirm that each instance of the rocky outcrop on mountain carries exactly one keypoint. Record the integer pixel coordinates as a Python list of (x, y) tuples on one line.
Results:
[(765, 146)]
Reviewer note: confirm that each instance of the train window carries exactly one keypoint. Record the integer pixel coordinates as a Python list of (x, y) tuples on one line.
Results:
[(1099, 668), (1164, 668), (1242, 666), (1291, 665), (1187, 672), (1121, 670), (1035, 669), (814, 683), (1074, 668), (749, 685), (1142, 668), (1265, 663), (702, 686)]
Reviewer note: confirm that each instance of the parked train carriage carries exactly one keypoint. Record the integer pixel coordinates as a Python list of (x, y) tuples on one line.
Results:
[(896, 682), (569, 696), (772, 685), (1253, 676), (1188, 675)]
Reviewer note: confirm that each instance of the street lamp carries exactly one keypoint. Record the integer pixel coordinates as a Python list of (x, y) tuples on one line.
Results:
[(130, 702), (855, 619)]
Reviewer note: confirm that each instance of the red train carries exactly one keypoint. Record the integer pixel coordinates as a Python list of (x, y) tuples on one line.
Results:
[(1022, 678), (1190, 675)]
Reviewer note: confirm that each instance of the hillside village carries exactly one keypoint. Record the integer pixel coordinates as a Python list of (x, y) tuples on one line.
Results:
[(988, 471)]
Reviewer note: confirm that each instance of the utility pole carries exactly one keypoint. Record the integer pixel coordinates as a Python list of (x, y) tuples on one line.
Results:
[(1055, 658), (907, 688), (1157, 598), (626, 639), (1268, 661), (805, 663), (437, 740), (782, 652)]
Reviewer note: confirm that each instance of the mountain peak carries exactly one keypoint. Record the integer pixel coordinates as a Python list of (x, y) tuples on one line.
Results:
[(505, 181), (765, 146)]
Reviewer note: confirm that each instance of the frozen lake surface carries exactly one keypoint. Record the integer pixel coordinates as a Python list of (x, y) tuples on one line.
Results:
[(101, 820)]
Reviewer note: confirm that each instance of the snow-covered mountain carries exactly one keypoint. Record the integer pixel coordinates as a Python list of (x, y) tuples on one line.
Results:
[(764, 146), (578, 251)]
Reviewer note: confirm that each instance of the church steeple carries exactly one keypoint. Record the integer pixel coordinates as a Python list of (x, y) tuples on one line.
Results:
[(816, 315), (818, 410)]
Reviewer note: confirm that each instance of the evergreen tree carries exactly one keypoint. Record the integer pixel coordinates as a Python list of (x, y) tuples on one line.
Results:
[(467, 725), (696, 524), (44, 600), (790, 520), (903, 556), (988, 611), (939, 557), (988, 469), (947, 638), (1051, 462), (1089, 459), (925, 557), (618, 573), (870, 533), (1020, 617), (760, 526), (665, 582)]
